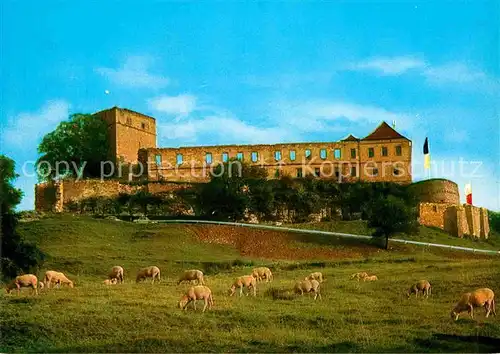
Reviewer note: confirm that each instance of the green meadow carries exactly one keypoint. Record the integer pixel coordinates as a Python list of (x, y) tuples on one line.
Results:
[(351, 316)]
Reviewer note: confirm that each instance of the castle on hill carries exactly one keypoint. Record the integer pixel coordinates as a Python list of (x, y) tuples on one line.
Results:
[(382, 156)]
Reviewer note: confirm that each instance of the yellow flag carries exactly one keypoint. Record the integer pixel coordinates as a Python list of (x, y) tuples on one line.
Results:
[(427, 155)]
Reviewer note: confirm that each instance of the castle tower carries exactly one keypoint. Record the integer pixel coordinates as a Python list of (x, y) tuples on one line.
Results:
[(128, 131)]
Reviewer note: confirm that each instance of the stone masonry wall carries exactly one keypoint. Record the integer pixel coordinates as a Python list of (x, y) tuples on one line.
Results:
[(348, 159), (485, 223), (437, 191), (457, 220), (473, 215), (53, 197), (48, 197), (129, 131), (432, 214)]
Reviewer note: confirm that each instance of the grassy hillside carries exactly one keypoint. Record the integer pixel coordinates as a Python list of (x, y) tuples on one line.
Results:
[(425, 234), (352, 316)]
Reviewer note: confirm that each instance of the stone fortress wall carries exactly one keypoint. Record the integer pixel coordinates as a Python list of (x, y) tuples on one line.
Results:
[(440, 207), (54, 197), (374, 158)]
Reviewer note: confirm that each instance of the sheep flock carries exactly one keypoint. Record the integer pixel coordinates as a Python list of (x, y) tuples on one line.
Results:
[(310, 285)]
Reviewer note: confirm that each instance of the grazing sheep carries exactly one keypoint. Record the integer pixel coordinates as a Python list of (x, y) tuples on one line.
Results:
[(58, 278), (41, 285), (23, 281), (478, 298), (262, 273), (370, 278), (116, 273), (247, 281), (422, 286), (307, 286), (149, 272), (198, 292), (359, 276), (190, 275), (110, 281), (315, 276)]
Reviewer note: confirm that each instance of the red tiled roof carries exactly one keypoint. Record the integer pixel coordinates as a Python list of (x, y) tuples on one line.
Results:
[(384, 131), (350, 138)]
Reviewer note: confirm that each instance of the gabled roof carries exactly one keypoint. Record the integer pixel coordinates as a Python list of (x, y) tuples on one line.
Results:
[(350, 138), (383, 132)]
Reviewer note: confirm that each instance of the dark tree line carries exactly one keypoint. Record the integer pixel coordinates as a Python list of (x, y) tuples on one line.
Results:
[(17, 255)]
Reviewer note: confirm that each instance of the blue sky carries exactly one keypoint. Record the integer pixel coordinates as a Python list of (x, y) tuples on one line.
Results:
[(254, 72)]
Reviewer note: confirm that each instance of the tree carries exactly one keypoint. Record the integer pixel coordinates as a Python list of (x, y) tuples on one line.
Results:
[(390, 215), (228, 194), (16, 254), (494, 221), (144, 199), (78, 144)]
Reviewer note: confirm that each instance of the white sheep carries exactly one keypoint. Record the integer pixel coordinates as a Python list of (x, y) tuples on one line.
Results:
[(247, 281), (198, 292), (149, 272), (116, 273), (58, 278), (110, 281), (262, 273), (190, 275), (370, 278), (41, 285), (421, 286), (307, 286), (315, 276), (478, 298), (23, 281), (360, 275)]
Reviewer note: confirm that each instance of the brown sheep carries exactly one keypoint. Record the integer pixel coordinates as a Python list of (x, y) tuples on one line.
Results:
[(262, 273), (360, 275), (116, 273), (110, 281), (370, 278), (478, 298), (58, 278), (23, 281), (149, 272), (422, 286), (199, 292), (307, 286), (247, 281), (315, 276), (190, 275)]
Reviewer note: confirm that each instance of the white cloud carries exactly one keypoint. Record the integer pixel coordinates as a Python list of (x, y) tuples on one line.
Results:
[(134, 73), (216, 130), (31, 126), (389, 65), (453, 73), (447, 73), (178, 105), (327, 116)]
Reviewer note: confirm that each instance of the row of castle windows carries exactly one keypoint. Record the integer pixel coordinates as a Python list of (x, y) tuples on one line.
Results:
[(353, 172), (254, 156), (299, 171)]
